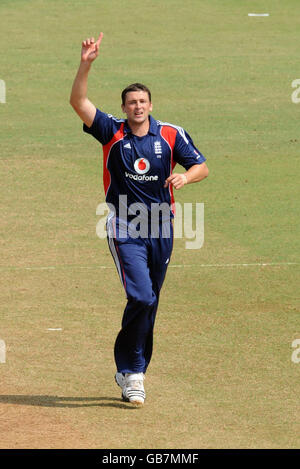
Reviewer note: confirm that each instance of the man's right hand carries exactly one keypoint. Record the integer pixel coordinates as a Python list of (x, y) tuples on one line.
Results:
[(90, 49), (78, 99)]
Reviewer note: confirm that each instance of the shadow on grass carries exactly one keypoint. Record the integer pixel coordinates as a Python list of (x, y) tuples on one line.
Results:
[(59, 401)]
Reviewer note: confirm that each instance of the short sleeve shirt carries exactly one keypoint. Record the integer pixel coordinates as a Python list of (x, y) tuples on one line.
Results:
[(136, 167)]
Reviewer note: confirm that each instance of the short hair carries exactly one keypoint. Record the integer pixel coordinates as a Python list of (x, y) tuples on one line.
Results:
[(135, 87)]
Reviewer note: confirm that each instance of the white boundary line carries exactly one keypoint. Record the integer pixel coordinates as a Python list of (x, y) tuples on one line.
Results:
[(258, 14), (257, 264), (237, 265)]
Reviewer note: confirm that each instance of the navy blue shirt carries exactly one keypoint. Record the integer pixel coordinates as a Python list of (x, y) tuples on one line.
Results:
[(137, 167)]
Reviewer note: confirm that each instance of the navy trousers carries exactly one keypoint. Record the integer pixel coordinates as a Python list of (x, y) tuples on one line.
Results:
[(142, 264)]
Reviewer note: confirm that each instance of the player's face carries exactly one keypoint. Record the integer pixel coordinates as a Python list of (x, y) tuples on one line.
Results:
[(137, 107)]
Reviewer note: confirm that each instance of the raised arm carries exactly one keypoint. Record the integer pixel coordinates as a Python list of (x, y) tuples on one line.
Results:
[(78, 99)]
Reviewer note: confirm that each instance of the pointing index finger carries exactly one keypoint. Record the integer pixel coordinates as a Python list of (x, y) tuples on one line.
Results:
[(99, 39)]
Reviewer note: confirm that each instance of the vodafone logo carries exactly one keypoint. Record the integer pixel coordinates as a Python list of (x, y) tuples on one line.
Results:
[(141, 165)]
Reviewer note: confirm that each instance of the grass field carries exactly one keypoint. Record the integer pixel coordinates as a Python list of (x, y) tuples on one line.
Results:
[(221, 374)]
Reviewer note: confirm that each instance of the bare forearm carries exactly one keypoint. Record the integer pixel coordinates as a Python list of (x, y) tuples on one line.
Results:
[(196, 173), (78, 99), (80, 84)]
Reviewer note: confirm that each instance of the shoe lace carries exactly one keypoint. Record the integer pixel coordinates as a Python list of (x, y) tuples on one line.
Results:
[(136, 384)]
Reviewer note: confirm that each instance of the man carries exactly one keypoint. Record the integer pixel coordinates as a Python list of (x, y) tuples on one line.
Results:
[(139, 154)]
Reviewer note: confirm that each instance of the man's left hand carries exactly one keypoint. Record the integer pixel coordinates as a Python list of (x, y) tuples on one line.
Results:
[(177, 180)]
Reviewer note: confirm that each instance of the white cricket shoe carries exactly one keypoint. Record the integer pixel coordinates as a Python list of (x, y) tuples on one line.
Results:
[(132, 385), (120, 380)]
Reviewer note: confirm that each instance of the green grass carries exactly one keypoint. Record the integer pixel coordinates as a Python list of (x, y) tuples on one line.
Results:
[(221, 374)]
